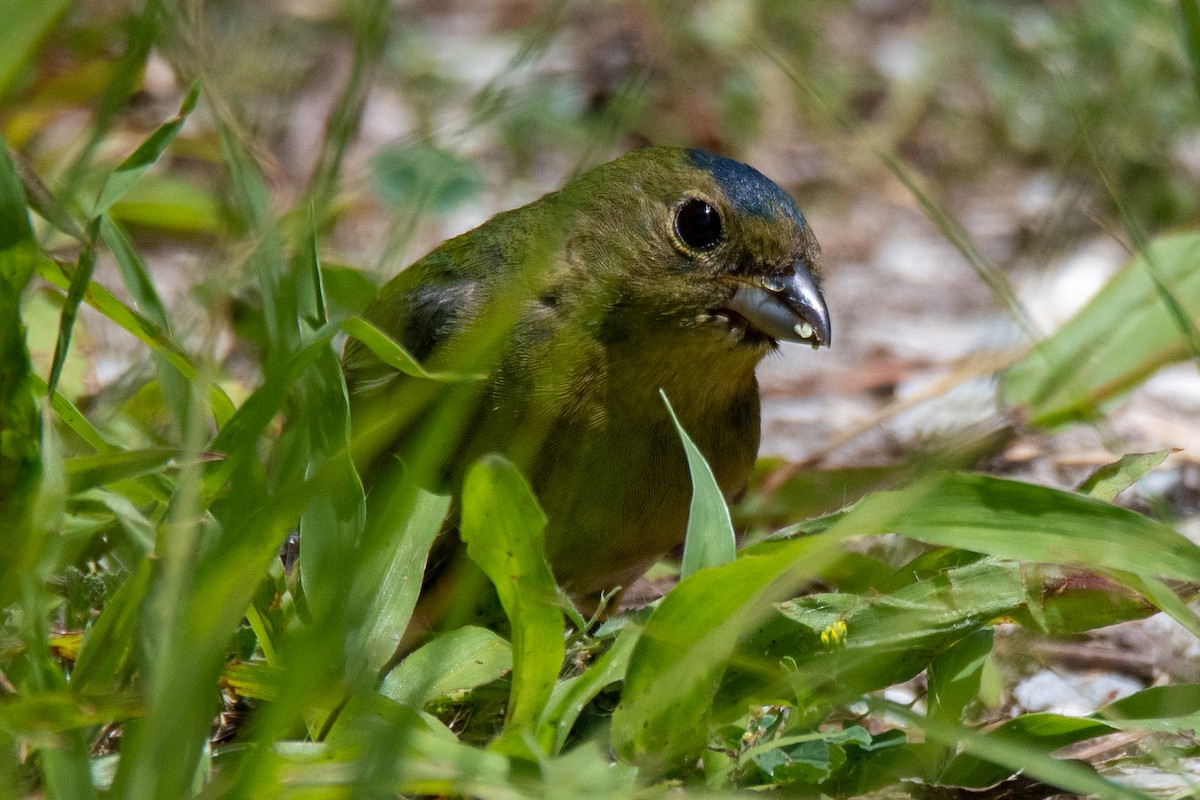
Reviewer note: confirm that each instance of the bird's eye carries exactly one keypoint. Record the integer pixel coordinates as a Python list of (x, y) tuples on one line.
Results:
[(698, 224)]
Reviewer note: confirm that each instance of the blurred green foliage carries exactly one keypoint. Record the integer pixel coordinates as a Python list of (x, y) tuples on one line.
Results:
[(152, 642)]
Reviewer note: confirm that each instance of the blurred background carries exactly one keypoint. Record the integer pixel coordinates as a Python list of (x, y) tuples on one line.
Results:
[(974, 171)]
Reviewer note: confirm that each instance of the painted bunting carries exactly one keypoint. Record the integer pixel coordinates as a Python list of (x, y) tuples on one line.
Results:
[(665, 269)]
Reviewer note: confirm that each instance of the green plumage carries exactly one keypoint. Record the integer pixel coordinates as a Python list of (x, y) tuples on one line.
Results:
[(579, 307)]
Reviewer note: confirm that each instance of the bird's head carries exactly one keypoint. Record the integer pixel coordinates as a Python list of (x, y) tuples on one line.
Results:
[(710, 243)]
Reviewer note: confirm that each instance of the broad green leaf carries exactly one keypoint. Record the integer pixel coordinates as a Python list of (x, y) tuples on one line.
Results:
[(456, 661), (140, 160), (502, 527), (1124, 334), (1165, 702), (710, 539), (1027, 522), (402, 555), (254, 679)]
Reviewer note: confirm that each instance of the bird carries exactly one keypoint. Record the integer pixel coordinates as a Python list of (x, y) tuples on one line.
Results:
[(667, 269)]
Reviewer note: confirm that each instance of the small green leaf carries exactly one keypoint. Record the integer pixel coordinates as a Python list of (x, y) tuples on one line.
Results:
[(457, 661), (1110, 480), (710, 539), (662, 721)]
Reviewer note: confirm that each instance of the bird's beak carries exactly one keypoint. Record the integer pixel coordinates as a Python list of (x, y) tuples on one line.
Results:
[(787, 307)]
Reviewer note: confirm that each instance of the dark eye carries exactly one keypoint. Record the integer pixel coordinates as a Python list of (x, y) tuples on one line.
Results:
[(698, 224)]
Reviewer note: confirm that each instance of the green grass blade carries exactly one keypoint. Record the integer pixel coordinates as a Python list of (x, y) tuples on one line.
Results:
[(140, 37), (134, 274), (140, 286), (80, 279), (43, 201), (142, 159), (710, 539), (371, 19), (392, 353), (102, 469), (73, 418), (140, 327), (1123, 335), (937, 213), (1017, 756), (246, 425), (19, 419), (268, 262), (108, 645)]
